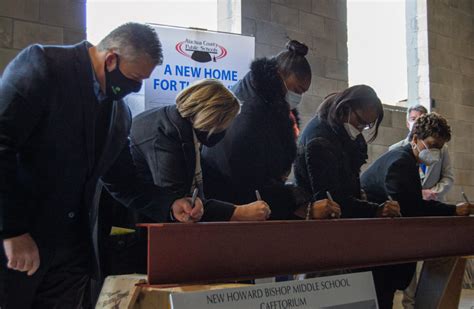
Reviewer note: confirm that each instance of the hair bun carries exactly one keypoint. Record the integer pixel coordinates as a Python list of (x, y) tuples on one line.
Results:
[(296, 47)]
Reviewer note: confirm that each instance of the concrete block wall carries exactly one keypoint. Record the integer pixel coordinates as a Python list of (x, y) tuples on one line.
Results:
[(392, 130), (229, 17), (417, 53), (23, 22), (451, 80), (320, 24)]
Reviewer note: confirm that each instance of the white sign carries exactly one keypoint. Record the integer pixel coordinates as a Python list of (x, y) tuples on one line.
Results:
[(190, 55), (354, 291)]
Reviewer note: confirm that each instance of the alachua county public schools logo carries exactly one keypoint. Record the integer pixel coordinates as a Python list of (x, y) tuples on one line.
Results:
[(201, 51)]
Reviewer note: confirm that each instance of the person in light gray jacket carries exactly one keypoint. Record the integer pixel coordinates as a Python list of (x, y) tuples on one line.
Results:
[(436, 179)]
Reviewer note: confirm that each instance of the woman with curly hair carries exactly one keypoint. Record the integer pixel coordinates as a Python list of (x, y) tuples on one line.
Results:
[(396, 174)]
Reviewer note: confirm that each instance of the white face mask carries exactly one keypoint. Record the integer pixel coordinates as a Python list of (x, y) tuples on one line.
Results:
[(351, 130), (410, 125), (428, 156), (369, 133), (293, 98)]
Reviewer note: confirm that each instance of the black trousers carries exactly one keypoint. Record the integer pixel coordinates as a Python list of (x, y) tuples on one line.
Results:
[(388, 279), (60, 281)]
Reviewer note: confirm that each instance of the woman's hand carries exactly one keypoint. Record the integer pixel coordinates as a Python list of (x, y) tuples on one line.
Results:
[(256, 211), (464, 209), (184, 212), (389, 209), (325, 209)]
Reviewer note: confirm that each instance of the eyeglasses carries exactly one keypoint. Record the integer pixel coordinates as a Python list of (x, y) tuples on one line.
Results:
[(364, 125)]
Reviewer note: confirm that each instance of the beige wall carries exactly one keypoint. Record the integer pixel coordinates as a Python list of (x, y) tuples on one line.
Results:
[(320, 24), (23, 22), (451, 75)]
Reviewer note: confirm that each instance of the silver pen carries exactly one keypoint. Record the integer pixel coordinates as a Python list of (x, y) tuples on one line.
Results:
[(259, 197), (392, 200), (328, 194), (193, 199), (464, 196)]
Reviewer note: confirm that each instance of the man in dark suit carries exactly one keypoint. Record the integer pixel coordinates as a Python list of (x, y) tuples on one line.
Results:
[(396, 174), (63, 129)]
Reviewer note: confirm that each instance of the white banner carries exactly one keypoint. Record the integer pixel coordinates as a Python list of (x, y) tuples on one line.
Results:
[(191, 55), (349, 291)]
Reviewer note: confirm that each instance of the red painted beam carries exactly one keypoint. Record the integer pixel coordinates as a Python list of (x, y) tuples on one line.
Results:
[(219, 252)]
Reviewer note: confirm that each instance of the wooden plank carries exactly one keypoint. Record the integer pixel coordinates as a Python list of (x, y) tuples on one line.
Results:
[(452, 294), (434, 280), (218, 252)]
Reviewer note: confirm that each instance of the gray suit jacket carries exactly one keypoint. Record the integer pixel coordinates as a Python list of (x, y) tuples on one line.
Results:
[(439, 176)]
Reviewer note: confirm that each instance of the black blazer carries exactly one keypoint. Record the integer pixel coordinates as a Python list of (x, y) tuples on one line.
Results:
[(164, 153), (396, 174), (49, 171), (328, 160)]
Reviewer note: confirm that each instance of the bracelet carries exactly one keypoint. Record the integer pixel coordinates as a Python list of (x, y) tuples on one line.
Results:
[(308, 211)]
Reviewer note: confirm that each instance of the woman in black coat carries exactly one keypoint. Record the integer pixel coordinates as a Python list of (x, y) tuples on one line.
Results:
[(332, 150), (260, 146), (166, 145), (396, 173)]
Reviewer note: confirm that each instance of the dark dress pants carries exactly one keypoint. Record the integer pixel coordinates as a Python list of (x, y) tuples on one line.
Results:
[(59, 282)]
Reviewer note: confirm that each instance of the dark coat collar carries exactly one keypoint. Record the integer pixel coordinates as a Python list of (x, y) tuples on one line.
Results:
[(85, 79), (183, 130), (120, 118), (183, 127), (408, 149), (267, 82)]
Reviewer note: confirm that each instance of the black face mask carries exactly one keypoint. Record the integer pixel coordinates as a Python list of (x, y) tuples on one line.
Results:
[(209, 141), (118, 85)]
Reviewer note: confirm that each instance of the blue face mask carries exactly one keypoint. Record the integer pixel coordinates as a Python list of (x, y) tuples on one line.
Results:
[(118, 85)]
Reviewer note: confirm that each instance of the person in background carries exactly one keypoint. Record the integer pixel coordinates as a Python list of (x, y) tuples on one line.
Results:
[(437, 179), (166, 146), (396, 174), (259, 147), (64, 128), (332, 149)]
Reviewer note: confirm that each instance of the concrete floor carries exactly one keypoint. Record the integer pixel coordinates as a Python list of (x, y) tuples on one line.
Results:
[(467, 300)]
